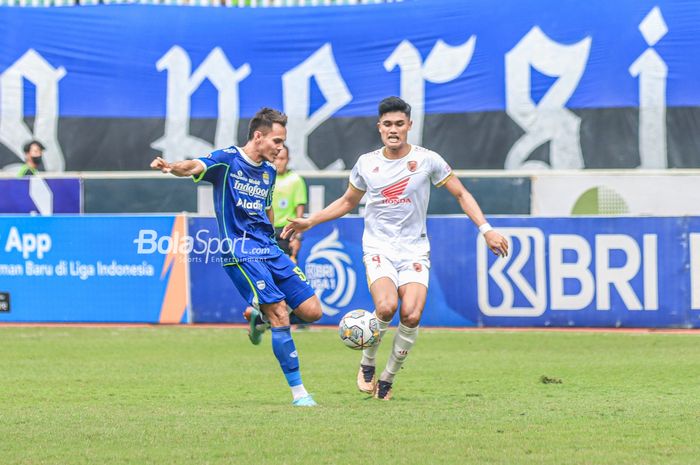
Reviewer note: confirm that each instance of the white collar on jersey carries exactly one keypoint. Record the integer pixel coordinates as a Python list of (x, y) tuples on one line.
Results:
[(383, 154), (248, 159)]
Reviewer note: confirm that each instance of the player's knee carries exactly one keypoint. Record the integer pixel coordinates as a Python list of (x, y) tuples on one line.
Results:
[(386, 308), (276, 314), (310, 310), (410, 319), (315, 311)]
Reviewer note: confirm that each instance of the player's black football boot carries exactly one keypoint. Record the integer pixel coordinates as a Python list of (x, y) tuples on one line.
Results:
[(383, 391), (366, 380)]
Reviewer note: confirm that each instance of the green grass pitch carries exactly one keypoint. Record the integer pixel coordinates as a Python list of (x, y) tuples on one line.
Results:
[(182, 395)]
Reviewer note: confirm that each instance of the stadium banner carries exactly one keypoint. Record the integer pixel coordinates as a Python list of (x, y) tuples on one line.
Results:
[(563, 272), (590, 272), (527, 84), (629, 193), (93, 269), (44, 196)]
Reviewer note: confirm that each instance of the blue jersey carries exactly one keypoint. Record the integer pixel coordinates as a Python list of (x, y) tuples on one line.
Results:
[(242, 194)]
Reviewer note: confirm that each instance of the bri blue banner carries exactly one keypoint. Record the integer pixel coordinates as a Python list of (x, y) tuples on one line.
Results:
[(563, 272)]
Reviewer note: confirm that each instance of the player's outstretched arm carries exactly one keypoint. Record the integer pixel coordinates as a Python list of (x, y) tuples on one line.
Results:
[(179, 168), (497, 243), (338, 208)]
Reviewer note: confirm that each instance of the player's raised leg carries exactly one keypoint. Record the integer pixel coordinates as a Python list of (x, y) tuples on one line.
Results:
[(291, 280), (309, 310), (413, 296), (385, 298), (244, 275), (286, 352), (256, 324)]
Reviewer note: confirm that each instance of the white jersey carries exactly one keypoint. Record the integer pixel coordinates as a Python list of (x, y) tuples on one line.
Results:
[(397, 195)]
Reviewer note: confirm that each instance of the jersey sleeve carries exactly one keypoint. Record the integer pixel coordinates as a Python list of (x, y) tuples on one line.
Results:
[(356, 178), (440, 171), (213, 164)]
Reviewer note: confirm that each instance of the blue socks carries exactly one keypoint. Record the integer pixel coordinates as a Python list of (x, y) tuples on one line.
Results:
[(286, 353)]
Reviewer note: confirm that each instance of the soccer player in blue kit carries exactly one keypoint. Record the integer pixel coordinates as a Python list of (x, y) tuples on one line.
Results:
[(243, 180)]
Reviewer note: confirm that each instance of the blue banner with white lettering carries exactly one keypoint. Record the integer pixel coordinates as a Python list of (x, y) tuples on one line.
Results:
[(92, 269), (563, 272), (567, 84), (599, 272), (106, 71)]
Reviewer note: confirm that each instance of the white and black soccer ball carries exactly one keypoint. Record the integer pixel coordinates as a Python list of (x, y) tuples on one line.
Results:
[(359, 329)]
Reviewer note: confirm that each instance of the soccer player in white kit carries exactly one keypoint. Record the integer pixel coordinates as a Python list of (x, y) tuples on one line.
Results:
[(396, 181)]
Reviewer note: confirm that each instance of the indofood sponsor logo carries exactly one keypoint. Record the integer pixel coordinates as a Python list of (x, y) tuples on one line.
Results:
[(250, 189), (329, 271)]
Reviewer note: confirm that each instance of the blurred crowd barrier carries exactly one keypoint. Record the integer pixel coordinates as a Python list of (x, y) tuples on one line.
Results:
[(539, 193), (156, 193)]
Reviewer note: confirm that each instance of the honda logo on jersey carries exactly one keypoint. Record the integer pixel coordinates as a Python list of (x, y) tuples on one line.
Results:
[(393, 192)]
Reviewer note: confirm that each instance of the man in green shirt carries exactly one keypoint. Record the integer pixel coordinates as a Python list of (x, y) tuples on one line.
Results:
[(288, 201), (32, 159)]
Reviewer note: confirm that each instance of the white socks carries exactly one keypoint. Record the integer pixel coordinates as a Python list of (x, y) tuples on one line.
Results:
[(299, 391), (403, 341), (369, 355)]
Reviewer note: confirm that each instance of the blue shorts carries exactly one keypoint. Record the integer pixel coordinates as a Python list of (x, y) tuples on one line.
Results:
[(270, 281)]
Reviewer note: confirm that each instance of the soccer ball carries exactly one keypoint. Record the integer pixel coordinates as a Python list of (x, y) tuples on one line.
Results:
[(359, 329)]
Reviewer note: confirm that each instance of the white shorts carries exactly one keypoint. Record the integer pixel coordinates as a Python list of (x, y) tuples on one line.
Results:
[(404, 271)]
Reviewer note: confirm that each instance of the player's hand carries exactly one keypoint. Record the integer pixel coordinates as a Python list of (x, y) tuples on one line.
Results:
[(295, 225), (497, 243), (160, 164)]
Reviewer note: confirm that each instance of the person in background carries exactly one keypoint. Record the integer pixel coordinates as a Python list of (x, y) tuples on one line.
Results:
[(288, 201), (33, 152)]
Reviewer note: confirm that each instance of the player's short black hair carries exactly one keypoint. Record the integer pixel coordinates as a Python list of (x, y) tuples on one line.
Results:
[(28, 146), (264, 119), (391, 104)]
